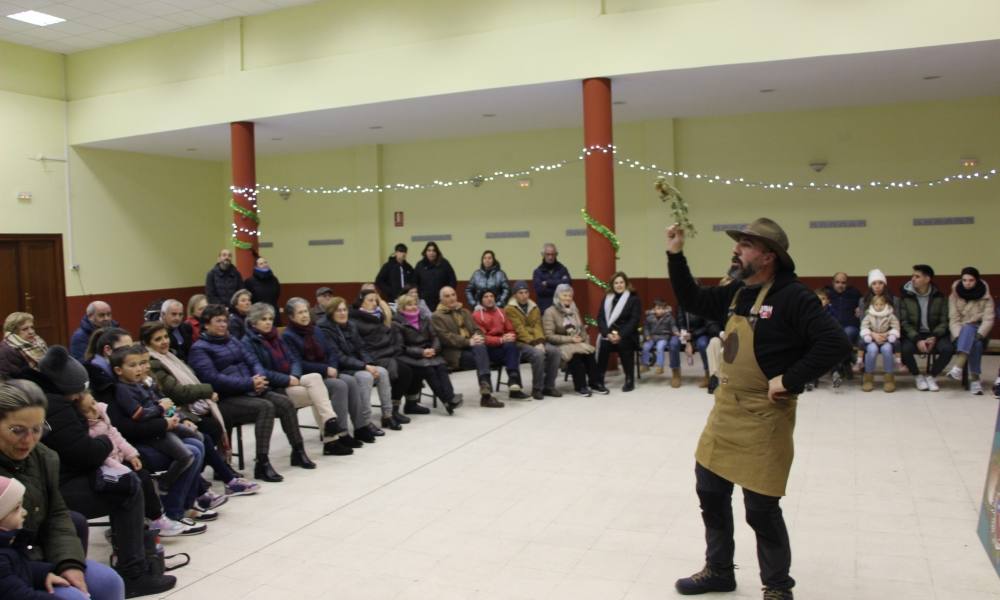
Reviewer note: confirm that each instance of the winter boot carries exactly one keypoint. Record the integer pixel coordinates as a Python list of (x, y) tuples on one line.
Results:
[(675, 378), (867, 382), (890, 383)]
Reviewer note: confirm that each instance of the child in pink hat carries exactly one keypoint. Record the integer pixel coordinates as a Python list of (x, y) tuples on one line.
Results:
[(20, 577)]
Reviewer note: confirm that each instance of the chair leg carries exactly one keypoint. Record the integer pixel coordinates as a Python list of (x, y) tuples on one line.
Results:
[(239, 444)]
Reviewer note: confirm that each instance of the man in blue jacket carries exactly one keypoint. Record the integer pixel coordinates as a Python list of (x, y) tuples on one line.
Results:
[(548, 276), (98, 315)]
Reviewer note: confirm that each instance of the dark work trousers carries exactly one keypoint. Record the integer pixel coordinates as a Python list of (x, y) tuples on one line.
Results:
[(943, 349), (774, 554), (582, 368), (438, 379), (126, 515), (626, 353)]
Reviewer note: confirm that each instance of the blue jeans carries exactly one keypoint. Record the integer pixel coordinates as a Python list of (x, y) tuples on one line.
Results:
[(969, 344), (852, 334), (103, 582), (700, 344), (661, 346), (872, 350), (185, 489)]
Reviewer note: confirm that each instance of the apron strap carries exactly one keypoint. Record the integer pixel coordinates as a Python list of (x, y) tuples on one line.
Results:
[(755, 309)]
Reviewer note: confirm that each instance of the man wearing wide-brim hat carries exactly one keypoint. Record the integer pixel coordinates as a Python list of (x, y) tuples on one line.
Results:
[(777, 338)]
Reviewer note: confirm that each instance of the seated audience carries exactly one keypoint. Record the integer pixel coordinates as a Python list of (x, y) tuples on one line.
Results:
[(98, 316), (489, 276), (264, 286), (245, 397), (844, 301), (179, 332), (22, 347), (323, 297), (464, 346), (223, 279), (285, 374), (970, 320), (317, 354), (179, 383), (500, 340), (564, 329), (36, 467), (879, 331), (526, 318), (618, 321), (431, 273), (656, 332), (395, 274), (695, 334), (422, 351), (548, 276), (369, 356), (163, 440), (239, 306), (924, 321), (195, 306)]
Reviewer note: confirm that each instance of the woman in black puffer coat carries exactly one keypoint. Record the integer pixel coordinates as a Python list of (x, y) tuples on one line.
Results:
[(422, 352)]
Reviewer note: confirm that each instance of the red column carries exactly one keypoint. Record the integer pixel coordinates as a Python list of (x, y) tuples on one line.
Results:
[(244, 176), (600, 174)]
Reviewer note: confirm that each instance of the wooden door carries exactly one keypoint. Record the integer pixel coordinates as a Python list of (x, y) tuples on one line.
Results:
[(35, 282)]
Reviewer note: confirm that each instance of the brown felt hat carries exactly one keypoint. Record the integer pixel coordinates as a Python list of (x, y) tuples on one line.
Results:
[(771, 235)]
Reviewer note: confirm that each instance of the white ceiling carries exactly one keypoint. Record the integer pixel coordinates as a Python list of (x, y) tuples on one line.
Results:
[(966, 70), (94, 23)]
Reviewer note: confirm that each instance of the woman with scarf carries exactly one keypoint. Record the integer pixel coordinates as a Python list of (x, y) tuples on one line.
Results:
[(564, 328), (383, 344), (970, 319), (22, 348), (311, 347), (284, 372), (356, 361), (618, 320), (264, 286), (489, 276), (422, 352), (196, 400)]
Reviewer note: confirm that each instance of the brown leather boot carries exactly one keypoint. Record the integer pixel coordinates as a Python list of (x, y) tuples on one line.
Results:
[(675, 378), (867, 382), (490, 402), (890, 383)]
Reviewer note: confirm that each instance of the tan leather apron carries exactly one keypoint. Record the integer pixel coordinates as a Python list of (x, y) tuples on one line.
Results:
[(747, 439)]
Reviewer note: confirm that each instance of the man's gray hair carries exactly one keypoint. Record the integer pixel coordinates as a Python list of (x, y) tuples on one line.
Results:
[(548, 245), (258, 311), (168, 303), (92, 307)]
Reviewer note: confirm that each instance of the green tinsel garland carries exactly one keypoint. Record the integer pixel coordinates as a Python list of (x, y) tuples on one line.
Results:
[(591, 321), (242, 245), (246, 212), (601, 229), (594, 279)]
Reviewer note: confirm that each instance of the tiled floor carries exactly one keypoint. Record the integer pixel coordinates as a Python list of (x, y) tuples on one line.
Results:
[(592, 498)]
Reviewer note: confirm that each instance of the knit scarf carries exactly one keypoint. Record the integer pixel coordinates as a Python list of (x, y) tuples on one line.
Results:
[(977, 291), (311, 348), (32, 351), (412, 318), (185, 376), (277, 352)]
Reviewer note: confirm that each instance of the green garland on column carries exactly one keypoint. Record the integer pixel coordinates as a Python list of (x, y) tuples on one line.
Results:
[(608, 235), (249, 214)]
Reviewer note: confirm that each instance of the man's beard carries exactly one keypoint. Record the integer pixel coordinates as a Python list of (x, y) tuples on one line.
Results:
[(225, 264), (740, 273)]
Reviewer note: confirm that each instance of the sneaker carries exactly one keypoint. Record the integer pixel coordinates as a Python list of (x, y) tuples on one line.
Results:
[(585, 391), (600, 389), (192, 526), (552, 392), (210, 501), (376, 430), (932, 384), (955, 373), (976, 387), (490, 402), (838, 379), (170, 528), (242, 487), (707, 580), (515, 387), (148, 584), (415, 408), (921, 383), (201, 515), (364, 434), (517, 394), (538, 395), (773, 594)]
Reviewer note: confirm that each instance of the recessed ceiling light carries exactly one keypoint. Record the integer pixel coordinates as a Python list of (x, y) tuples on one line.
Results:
[(767, 90), (619, 102), (930, 77), (191, 149), (375, 127), (489, 115), (36, 18)]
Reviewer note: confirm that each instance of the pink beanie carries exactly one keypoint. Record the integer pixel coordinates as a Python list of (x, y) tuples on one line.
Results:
[(11, 492)]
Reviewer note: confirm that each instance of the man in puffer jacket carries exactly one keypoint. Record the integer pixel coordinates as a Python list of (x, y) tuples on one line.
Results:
[(545, 358), (501, 341), (923, 316)]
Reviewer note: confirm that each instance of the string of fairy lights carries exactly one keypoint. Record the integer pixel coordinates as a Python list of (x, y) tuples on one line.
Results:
[(251, 194)]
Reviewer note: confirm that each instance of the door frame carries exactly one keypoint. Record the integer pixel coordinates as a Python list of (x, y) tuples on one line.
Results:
[(61, 275)]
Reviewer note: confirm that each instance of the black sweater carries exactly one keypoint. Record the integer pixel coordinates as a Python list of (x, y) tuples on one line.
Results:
[(799, 341)]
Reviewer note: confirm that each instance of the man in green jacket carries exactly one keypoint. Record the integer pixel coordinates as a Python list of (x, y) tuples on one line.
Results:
[(923, 317)]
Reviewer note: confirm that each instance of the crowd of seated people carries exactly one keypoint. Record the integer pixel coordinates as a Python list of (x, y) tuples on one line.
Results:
[(130, 425)]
